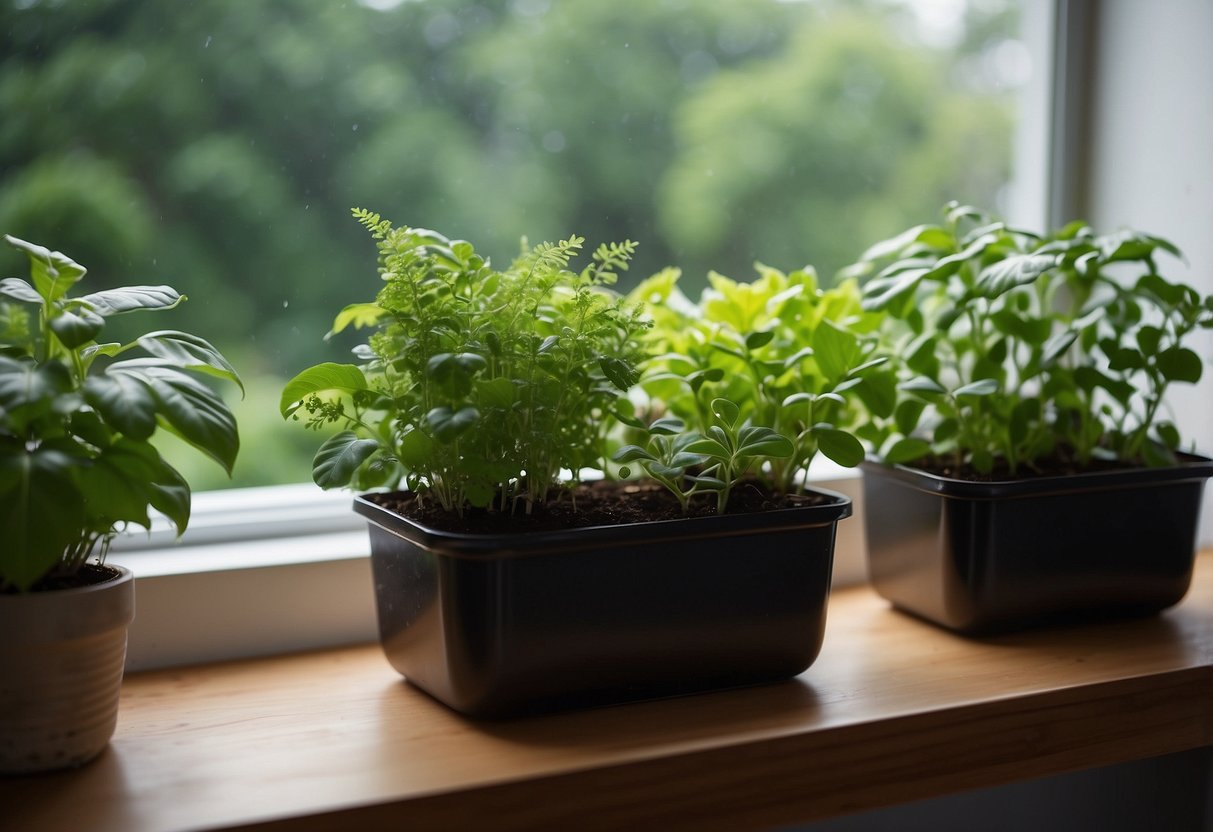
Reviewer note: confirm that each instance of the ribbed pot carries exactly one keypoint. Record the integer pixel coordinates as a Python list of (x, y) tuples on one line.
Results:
[(61, 659)]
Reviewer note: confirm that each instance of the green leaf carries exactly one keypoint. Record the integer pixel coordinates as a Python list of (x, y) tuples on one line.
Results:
[(1168, 434), (631, 453), (835, 349), (1179, 364), (130, 298), (765, 442), (118, 484), (360, 315), (894, 245), (1015, 270), (1149, 338), (52, 272), (76, 326), (921, 385), (907, 450), (757, 340), (1056, 347), (124, 402), (189, 352), (667, 426), (339, 457), (981, 387), (322, 378), (26, 383), (879, 393), (170, 495), (41, 512), (17, 289), (710, 447), (415, 448), (839, 446), (496, 392), (619, 372), (447, 424), (192, 411), (907, 415), (726, 411), (880, 293)]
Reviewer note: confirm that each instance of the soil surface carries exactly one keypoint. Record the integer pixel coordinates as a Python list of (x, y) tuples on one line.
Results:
[(602, 503), (90, 574), (1056, 466)]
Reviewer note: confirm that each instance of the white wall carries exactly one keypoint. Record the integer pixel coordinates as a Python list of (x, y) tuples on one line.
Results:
[(1150, 146)]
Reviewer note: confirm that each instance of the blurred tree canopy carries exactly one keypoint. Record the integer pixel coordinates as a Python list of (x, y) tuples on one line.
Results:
[(218, 146)]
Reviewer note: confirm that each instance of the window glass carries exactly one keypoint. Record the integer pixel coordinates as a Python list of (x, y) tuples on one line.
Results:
[(218, 146)]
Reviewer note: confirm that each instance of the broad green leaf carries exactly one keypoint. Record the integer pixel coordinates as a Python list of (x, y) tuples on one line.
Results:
[(339, 457), (1012, 271), (881, 293), (1149, 338), (322, 378), (1057, 346), (447, 424), (921, 385), (1168, 434), (171, 496), (415, 448), (130, 298), (192, 411), (76, 326), (709, 446), (907, 415), (118, 484), (1179, 364), (835, 349), (52, 272), (879, 393), (26, 383), (667, 426), (360, 315), (41, 512), (757, 340), (839, 446), (765, 442), (907, 450), (17, 289), (189, 352), (894, 245), (981, 387), (124, 402)]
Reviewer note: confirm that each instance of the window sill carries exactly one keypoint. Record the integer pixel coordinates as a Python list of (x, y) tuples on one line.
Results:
[(894, 710)]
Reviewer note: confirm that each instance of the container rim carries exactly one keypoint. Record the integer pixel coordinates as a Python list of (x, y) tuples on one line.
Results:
[(1192, 468), (593, 537)]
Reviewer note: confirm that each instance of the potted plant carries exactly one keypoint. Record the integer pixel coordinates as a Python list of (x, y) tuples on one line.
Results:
[(1027, 468), (504, 583), (76, 467)]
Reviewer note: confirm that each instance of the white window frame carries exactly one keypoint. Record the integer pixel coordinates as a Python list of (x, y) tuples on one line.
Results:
[(270, 570)]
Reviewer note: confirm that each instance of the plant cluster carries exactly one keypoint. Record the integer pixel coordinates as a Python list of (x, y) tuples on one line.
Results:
[(1011, 349), (477, 387), (751, 381), (76, 463)]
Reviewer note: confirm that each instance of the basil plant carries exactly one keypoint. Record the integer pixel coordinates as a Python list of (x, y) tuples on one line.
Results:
[(77, 414)]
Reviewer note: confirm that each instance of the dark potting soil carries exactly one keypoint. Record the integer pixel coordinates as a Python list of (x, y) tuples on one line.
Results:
[(1055, 466), (601, 503), (90, 574)]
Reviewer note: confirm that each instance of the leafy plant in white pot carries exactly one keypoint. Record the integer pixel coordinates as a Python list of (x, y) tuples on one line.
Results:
[(76, 467)]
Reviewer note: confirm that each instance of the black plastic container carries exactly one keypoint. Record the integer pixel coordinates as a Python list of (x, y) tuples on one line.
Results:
[(500, 625), (988, 557)]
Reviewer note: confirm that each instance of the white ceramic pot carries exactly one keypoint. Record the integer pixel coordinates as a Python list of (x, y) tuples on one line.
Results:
[(61, 659)]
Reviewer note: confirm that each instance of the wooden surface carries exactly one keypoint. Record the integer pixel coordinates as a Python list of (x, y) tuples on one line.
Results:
[(893, 710)]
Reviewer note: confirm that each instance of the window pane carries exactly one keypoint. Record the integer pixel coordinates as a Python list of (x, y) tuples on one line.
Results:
[(218, 146)]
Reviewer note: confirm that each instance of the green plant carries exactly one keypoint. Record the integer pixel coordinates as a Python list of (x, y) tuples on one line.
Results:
[(758, 373), (1012, 350), (75, 462), (478, 387)]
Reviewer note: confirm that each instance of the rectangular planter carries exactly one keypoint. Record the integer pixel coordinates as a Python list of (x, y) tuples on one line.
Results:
[(500, 625), (985, 557)]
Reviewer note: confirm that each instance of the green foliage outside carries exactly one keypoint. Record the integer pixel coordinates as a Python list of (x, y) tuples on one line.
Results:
[(216, 145)]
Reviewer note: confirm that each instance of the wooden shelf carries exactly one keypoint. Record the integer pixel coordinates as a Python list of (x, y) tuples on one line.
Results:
[(893, 710)]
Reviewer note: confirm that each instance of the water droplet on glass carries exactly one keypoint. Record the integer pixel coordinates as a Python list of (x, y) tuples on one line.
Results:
[(208, 42)]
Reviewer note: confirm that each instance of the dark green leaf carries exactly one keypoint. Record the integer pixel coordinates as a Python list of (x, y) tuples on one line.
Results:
[(726, 411), (619, 372), (839, 446), (981, 387), (25, 383), (631, 453), (496, 392), (764, 442), (922, 385), (193, 412), (124, 402), (1015, 270), (447, 425), (415, 448), (907, 415), (170, 495), (756, 340), (76, 326), (339, 457), (41, 512), (667, 426), (878, 392), (907, 450), (1179, 364)]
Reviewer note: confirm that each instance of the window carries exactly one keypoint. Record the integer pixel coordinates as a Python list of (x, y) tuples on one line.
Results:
[(219, 146)]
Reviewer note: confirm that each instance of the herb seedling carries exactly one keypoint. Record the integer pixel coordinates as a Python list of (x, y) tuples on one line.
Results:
[(1011, 349)]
